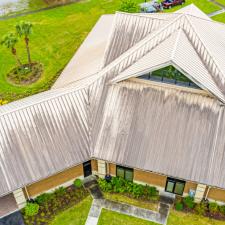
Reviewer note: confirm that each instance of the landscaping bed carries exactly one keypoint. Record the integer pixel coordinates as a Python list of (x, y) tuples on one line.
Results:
[(26, 74), (45, 207), (76, 215), (121, 190), (204, 208)]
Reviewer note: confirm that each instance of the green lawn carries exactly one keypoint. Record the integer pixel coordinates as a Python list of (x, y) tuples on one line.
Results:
[(76, 215), (57, 35), (108, 217), (179, 218), (204, 5), (220, 18)]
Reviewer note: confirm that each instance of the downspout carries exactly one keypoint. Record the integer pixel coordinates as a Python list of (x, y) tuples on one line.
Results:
[(27, 194), (207, 193)]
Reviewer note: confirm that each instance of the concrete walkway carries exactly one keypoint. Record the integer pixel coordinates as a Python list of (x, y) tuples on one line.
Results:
[(99, 202), (219, 11), (216, 13)]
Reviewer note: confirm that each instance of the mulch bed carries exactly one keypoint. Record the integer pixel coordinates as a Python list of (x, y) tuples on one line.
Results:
[(26, 74), (50, 209)]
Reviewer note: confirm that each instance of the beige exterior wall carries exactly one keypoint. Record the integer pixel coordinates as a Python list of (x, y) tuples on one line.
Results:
[(216, 194), (150, 178), (54, 181), (112, 169), (94, 165), (189, 185)]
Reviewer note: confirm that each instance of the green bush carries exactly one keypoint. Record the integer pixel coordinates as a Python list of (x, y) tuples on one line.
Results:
[(59, 192), (44, 198), (189, 202), (129, 6), (120, 185), (179, 206), (200, 208), (138, 190), (213, 207), (78, 183), (31, 209), (104, 185), (222, 209)]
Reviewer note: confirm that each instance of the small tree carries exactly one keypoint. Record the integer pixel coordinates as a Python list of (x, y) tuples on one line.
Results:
[(9, 41), (24, 29), (129, 6)]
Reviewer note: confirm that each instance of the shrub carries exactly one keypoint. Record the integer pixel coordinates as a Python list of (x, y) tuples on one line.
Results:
[(31, 209), (44, 198), (179, 206), (200, 208), (129, 6), (222, 209), (138, 190), (59, 192), (152, 191), (213, 207), (189, 202), (104, 185), (78, 183)]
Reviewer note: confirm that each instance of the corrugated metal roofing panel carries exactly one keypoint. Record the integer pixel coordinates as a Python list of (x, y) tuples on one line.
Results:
[(160, 129), (42, 139)]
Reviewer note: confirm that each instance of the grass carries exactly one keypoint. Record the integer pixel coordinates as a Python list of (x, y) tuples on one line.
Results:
[(113, 218), (204, 5), (57, 34), (222, 2), (76, 215), (131, 201), (180, 218), (219, 18)]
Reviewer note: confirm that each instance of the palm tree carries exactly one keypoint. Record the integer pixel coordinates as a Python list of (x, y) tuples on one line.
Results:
[(24, 29), (9, 41)]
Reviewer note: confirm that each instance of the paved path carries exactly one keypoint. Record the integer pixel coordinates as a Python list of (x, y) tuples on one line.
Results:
[(219, 11), (99, 202), (216, 13)]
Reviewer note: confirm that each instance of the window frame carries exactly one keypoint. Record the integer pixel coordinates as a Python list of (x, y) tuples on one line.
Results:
[(125, 169), (175, 181)]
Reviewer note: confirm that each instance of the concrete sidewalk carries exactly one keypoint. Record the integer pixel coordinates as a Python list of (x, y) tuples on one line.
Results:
[(99, 202)]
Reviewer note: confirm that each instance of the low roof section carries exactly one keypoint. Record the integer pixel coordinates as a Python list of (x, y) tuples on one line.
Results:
[(42, 135), (166, 130)]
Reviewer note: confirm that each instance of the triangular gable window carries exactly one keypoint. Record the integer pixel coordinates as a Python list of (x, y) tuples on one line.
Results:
[(169, 75)]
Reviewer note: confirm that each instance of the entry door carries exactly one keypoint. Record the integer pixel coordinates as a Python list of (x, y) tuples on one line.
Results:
[(87, 168)]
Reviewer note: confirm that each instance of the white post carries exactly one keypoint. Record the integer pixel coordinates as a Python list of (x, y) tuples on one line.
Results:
[(20, 198), (101, 168), (199, 193)]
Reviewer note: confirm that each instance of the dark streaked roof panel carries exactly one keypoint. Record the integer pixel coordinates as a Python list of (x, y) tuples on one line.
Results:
[(42, 139), (163, 130)]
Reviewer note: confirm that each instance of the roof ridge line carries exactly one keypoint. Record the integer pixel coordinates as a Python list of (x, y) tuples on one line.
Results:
[(176, 44), (137, 46), (216, 73)]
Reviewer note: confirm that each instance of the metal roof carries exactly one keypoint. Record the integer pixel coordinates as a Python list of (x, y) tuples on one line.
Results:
[(43, 138), (102, 113)]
